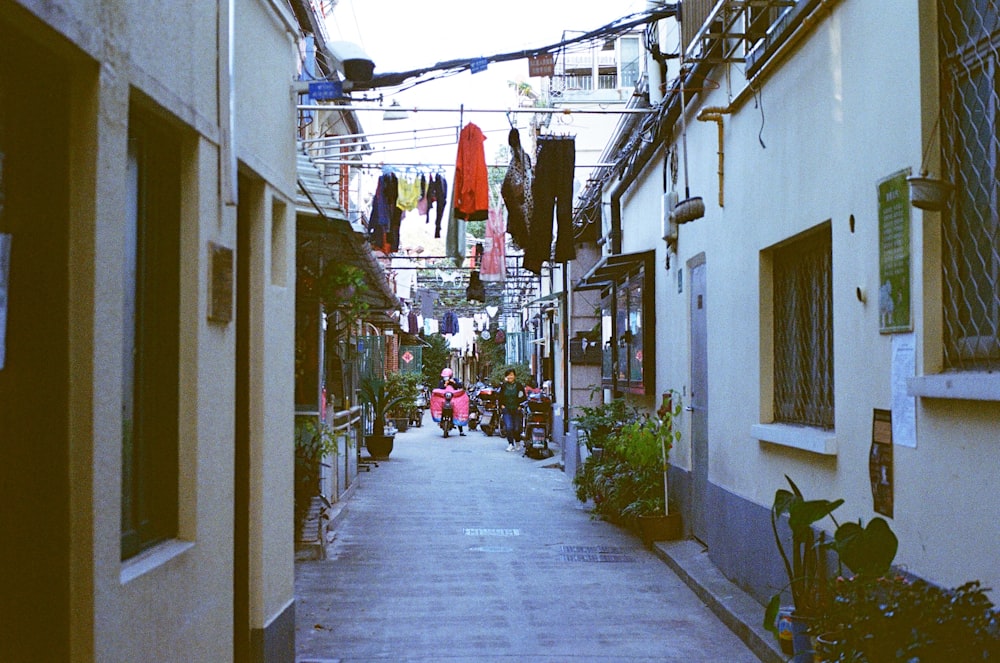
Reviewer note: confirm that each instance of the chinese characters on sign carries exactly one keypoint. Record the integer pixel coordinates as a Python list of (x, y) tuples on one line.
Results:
[(894, 254)]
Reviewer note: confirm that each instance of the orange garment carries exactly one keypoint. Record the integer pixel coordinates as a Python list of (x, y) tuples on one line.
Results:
[(472, 187)]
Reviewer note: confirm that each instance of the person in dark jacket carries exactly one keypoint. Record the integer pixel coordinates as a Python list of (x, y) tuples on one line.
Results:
[(511, 397)]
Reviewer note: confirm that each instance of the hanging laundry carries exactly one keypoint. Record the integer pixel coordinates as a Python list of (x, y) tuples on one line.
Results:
[(475, 291), (384, 215), (427, 298), (494, 249), (516, 191), (449, 323), (454, 240), (553, 186), (412, 323), (423, 205), (472, 188), (409, 193), (437, 195)]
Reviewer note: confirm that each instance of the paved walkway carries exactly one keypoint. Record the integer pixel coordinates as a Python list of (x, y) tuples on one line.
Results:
[(455, 550)]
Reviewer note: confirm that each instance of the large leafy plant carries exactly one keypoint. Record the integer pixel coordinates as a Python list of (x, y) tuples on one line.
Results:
[(376, 393)]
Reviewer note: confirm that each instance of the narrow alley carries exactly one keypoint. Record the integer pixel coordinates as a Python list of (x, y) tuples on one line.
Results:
[(453, 549)]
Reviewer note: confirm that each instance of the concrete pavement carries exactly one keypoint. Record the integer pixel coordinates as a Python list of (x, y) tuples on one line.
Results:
[(455, 550)]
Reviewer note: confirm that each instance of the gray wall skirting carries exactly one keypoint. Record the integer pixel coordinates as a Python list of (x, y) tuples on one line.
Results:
[(275, 643)]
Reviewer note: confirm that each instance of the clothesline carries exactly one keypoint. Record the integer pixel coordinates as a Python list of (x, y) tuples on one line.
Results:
[(356, 164)]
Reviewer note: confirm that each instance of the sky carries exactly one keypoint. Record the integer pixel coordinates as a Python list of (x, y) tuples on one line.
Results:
[(406, 35)]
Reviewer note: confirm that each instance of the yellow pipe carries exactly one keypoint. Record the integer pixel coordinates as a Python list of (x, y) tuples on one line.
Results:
[(714, 114)]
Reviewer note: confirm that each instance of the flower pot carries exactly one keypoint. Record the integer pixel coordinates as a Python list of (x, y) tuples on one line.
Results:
[(379, 446), (660, 528), (929, 193)]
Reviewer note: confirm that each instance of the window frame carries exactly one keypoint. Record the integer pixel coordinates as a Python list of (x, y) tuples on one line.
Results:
[(151, 335)]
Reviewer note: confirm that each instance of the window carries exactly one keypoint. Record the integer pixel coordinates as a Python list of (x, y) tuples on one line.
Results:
[(803, 331), (970, 103), (151, 336), (629, 61), (628, 361)]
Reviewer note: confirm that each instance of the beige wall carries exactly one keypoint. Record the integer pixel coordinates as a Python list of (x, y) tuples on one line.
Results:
[(844, 111), (174, 602)]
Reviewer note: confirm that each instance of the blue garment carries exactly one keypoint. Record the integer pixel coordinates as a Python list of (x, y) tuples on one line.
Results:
[(449, 323)]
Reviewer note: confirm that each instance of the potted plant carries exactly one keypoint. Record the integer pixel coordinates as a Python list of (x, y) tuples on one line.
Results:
[(341, 288), (313, 441), (378, 396), (649, 446), (802, 563), (628, 481), (892, 617), (405, 387), (598, 422)]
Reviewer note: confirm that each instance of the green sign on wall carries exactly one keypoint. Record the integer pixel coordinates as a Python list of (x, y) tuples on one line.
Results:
[(894, 254)]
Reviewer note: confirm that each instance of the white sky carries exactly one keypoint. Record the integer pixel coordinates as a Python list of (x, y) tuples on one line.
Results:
[(406, 35)]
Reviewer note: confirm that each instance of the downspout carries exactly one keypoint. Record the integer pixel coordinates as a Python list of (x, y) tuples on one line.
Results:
[(714, 114)]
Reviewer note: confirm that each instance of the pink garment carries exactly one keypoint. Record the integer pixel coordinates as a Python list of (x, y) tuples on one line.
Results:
[(459, 401), (494, 251)]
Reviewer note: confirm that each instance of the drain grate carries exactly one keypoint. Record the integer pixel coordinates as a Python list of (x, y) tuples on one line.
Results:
[(595, 554)]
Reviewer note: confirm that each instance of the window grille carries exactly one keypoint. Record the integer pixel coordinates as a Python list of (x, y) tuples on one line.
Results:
[(803, 332), (969, 33)]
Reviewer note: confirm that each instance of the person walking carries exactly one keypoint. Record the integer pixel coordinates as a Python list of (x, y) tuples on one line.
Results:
[(511, 397)]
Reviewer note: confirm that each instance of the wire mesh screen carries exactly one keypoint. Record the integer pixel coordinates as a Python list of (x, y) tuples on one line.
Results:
[(371, 356), (969, 33), (803, 333)]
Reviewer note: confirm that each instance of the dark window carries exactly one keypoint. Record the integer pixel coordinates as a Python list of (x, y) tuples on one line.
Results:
[(803, 332), (151, 334), (970, 90)]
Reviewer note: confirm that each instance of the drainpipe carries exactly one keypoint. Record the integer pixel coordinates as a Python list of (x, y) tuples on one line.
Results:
[(714, 114)]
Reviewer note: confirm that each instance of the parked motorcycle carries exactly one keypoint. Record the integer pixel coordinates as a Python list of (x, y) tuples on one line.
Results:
[(537, 427), (473, 412), (489, 419)]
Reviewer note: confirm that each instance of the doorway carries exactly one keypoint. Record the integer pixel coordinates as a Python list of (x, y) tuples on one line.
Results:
[(699, 399)]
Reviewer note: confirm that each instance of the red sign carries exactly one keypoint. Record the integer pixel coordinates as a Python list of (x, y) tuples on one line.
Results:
[(407, 357)]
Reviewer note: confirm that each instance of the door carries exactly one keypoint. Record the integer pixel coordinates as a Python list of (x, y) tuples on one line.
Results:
[(698, 400)]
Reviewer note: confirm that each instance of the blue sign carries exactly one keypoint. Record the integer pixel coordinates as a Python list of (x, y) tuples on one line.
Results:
[(478, 65), (326, 90)]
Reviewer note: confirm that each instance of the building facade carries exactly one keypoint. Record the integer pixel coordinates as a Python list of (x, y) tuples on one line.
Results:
[(815, 323), (148, 223)]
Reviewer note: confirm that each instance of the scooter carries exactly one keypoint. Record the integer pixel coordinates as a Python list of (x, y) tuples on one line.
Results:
[(447, 414), (450, 408), (537, 412)]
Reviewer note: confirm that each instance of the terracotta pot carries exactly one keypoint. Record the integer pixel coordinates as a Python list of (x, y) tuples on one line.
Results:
[(379, 446)]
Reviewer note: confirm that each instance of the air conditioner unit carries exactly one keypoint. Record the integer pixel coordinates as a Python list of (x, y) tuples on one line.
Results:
[(668, 227)]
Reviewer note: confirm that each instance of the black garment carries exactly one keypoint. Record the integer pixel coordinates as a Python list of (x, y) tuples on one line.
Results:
[(437, 193), (475, 291), (516, 192), (553, 185)]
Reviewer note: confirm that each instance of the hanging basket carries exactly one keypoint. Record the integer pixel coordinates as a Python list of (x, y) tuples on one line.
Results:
[(689, 209), (929, 193)]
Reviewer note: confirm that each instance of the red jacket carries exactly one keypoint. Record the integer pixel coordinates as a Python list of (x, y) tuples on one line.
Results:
[(472, 188)]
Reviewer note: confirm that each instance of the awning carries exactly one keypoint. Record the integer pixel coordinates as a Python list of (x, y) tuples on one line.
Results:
[(323, 235), (547, 298), (615, 268)]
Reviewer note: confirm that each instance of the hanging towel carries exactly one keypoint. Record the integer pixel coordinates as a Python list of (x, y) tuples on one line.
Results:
[(494, 249)]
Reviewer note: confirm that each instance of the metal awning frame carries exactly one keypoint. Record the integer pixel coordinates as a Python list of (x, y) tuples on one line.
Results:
[(614, 269)]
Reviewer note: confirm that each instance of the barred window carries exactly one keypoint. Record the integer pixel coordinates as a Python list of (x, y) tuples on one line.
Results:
[(969, 32), (803, 331)]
